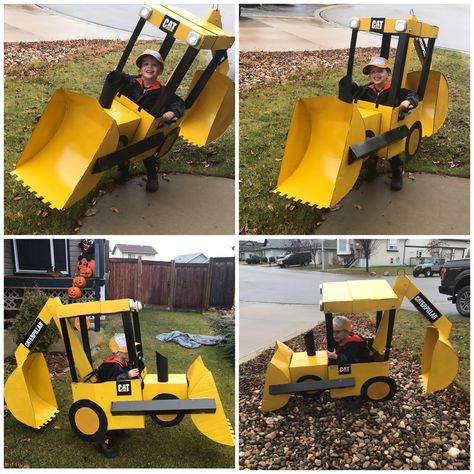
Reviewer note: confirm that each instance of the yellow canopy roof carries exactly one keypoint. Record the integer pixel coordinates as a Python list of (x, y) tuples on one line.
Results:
[(357, 296)]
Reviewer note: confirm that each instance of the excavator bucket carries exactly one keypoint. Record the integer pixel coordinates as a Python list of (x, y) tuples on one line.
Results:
[(315, 167), (212, 112), (435, 101), (29, 393), (202, 385), (278, 372), (57, 162), (439, 363)]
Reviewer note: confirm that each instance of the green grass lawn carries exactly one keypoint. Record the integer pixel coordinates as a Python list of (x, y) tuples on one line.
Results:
[(25, 98), (409, 336), (182, 446), (265, 115)]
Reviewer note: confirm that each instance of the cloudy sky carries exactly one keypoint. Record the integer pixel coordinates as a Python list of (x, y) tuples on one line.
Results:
[(168, 247)]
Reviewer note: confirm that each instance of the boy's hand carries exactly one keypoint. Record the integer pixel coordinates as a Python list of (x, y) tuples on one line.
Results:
[(404, 105), (132, 373), (331, 355), (167, 116)]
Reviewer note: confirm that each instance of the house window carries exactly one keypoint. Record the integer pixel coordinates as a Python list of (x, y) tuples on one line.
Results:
[(40, 255), (392, 245), (131, 255), (343, 247)]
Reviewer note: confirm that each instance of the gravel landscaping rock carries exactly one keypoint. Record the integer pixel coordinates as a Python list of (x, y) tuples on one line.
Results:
[(410, 431)]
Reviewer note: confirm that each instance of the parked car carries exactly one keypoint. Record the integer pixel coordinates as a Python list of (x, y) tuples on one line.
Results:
[(455, 282), (295, 258), (428, 267)]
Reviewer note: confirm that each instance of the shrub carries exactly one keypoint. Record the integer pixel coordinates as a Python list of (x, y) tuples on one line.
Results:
[(225, 326), (272, 260), (264, 260), (33, 302), (255, 259), (248, 261)]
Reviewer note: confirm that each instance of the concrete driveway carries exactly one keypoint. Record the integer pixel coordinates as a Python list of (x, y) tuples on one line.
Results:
[(277, 303)]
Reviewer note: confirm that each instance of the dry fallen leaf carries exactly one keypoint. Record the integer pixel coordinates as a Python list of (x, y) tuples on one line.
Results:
[(410, 176), (90, 212), (358, 206), (165, 177), (17, 198), (114, 209), (335, 208), (270, 208)]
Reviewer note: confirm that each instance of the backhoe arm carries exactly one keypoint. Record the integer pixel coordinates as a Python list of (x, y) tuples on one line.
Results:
[(439, 363)]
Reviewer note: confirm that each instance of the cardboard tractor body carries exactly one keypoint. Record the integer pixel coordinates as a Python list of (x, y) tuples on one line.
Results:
[(79, 137), (312, 371), (330, 137), (102, 406)]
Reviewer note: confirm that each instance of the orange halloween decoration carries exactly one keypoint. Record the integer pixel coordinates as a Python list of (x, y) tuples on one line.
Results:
[(74, 292), (79, 281)]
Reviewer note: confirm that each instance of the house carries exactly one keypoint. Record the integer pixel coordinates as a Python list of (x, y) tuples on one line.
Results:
[(191, 258), (146, 252), (396, 252), (279, 247), (48, 264), (247, 248)]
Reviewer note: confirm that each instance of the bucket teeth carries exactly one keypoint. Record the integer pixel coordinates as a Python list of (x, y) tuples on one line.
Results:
[(48, 420), (298, 201)]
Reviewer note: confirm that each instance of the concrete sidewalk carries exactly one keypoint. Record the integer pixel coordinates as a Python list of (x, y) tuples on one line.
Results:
[(184, 204), (428, 205), (272, 33)]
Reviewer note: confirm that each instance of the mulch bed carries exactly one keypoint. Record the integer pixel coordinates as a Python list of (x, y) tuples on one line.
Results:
[(258, 68), (410, 431)]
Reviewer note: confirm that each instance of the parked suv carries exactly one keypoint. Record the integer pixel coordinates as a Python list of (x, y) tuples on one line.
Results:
[(428, 267), (455, 282), (295, 258)]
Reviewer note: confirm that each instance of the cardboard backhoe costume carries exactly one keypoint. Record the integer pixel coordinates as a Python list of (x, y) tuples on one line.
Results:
[(115, 405), (312, 372), (79, 137), (330, 137)]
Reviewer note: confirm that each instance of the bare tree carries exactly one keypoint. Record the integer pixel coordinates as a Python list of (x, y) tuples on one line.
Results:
[(367, 247), (436, 248), (312, 246)]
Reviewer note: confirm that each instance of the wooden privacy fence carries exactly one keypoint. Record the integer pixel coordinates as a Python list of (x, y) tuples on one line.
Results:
[(176, 286)]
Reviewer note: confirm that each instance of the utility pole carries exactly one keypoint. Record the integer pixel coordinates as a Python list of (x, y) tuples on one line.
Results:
[(322, 255)]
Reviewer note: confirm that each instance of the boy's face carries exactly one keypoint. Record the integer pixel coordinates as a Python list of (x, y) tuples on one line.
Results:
[(339, 336), (122, 357), (378, 76), (150, 68)]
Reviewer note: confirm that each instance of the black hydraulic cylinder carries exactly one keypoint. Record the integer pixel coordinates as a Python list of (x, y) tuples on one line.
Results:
[(109, 90), (162, 367), (309, 343)]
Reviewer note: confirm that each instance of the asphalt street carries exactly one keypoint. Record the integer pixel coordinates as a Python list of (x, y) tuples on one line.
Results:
[(278, 303)]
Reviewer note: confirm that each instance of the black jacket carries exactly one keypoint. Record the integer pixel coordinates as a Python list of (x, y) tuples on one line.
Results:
[(110, 370), (370, 94), (132, 87), (352, 350)]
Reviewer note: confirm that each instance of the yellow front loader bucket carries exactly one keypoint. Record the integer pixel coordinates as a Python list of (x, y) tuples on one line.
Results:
[(278, 372), (439, 363), (315, 167), (212, 112), (202, 385), (73, 131), (435, 101), (29, 393)]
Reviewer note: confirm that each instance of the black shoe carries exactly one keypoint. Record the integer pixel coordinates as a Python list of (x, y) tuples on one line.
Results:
[(397, 174), (368, 171), (106, 449), (152, 182), (122, 173)]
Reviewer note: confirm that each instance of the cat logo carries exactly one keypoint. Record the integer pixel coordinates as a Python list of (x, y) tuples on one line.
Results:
[(344, 369), (377, 24), (124, 387), (169, 26)]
